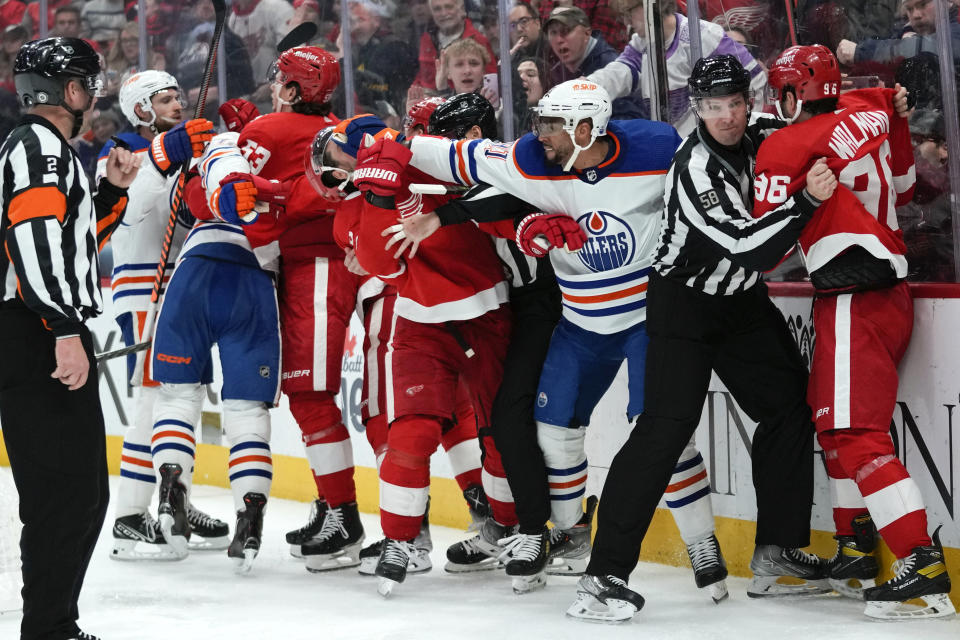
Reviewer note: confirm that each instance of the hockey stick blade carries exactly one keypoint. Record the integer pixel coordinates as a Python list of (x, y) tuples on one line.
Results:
[(125, 351), (436, 189), (299, 35)]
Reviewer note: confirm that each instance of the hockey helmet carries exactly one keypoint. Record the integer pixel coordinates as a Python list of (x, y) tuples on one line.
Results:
[(574, 101), (717, 77), (315, 71), (419, 114), (810, 71), (139, 88), (348, 134), (322, 174), (43, 67), (460, 113)]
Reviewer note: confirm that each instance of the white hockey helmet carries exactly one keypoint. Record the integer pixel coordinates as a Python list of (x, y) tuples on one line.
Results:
[(573, 101), (139, 88)]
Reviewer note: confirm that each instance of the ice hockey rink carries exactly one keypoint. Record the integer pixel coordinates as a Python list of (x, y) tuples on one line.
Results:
[(202, 598)]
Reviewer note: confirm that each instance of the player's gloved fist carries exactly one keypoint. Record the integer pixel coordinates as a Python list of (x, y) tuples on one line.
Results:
[(236, 113), (234, 201), (538, 233), (183, 142), (269, 191), (379, 166)]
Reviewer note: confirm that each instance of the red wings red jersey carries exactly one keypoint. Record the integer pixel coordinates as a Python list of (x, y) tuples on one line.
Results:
[(275, 145), (455, 274), (868, 148), (346, 227)]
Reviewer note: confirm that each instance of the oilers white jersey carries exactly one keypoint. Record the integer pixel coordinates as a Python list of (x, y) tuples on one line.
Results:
[(618, 204), (138, 239), (221, 240)]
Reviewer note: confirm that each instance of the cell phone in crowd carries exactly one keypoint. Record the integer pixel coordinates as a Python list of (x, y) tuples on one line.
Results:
[(860, 82), (490, 82)]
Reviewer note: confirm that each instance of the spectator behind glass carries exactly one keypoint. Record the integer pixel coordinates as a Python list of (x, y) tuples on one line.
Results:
[(66, 22), (827, 22), (600, 13), (579, 53), (88, 146), (526, 37), (630, 76), (11, 12), (261, 24), (123, 57), (31, 20), (104, 20), (450, 23), (533, 80), (14, 36), (462, 66)]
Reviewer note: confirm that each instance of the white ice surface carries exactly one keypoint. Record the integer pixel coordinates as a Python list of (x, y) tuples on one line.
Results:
[(202, 599)]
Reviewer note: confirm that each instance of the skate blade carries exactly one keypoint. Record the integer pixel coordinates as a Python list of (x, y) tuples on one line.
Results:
[(786, 587), (385, 586), (179, 543), (852, 587), (936, 605), (347, 557), (419, 563), (528, 584), (295, 551), (208, 544), (589, 609), (487, 564), (246, 563), (567, 566), (718, 591), (140, 551)]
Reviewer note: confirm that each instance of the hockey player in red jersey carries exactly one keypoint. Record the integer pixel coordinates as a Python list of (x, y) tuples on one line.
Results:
[(451, 326), (863, 317)]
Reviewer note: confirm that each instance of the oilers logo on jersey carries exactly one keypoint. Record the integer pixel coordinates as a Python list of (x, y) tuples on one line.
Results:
[(610, 241)]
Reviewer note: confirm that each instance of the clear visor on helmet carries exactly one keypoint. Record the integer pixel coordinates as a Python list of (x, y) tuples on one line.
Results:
[(322, 174), (544, 126), (272, 72), (723, 107)]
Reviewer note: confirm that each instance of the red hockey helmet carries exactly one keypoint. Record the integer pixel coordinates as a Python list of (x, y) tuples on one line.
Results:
[(315, 71), (811, 71), (419, 114)]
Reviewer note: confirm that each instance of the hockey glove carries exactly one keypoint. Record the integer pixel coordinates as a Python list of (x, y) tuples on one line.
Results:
[(269, 191), (538, 233), (234, 202), (185, 141), (380, 166), (236, 113)]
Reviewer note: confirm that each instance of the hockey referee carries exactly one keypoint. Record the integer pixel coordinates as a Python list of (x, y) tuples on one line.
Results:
[(51, 229), (708, 309)]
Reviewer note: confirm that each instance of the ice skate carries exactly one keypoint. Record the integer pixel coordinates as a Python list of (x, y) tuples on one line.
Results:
[(803, 574), (138, 537), (338, 544), (298, 537), (172, 511), (709, 568), (525, 556), (605, 599), (248, 532), (206, 532), (83, 635), (477, 504), (923, 576), (481, 552), (570, 548), (392, 566), (854, 568)]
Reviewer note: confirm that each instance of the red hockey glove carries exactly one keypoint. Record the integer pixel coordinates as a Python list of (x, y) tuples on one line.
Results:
[(380, 166), (234, 201), (269, 191), (236, 113), (179, 144), (538, 233)]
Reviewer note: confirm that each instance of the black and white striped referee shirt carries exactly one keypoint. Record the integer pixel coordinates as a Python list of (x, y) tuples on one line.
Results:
[(709, 239), (52, 227)]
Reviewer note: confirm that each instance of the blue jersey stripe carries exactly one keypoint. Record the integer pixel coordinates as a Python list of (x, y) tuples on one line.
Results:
[(608, 311), (453, 164), (472, 161), (567, 472), (693, 497), (251, 472), (569, 496), (689, 464), (175, 423), (141, 448), (132, 292), (603, 282), (138, 476), (249, 445), (173, 446)]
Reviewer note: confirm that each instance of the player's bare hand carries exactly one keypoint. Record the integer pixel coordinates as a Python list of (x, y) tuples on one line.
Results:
[(122, 167), (397, 234), (845, 51), (352, 264), (421, 226), (73, 365), (900, 103), (821, 182)]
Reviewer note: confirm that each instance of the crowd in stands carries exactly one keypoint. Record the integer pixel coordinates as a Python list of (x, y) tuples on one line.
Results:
[(404, 51)]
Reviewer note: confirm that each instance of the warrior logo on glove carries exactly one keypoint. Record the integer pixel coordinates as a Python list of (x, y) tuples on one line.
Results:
[(610, 242)]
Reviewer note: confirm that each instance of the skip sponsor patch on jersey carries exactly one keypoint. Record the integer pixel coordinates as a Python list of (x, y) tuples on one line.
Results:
[(610, 241)]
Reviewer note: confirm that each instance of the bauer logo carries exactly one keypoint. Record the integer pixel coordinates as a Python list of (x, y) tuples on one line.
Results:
[(542, 400), (610, 242)]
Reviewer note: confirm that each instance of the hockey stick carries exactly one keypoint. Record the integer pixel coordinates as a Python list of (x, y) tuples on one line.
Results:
[(125, 351), (220, 13), (299, 35)]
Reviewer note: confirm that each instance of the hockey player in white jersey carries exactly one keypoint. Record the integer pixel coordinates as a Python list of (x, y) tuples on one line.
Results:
[(151, 102), (602, 186)]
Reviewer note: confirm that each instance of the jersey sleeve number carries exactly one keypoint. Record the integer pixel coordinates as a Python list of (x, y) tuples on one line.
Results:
[(709, 199), (772, 189)]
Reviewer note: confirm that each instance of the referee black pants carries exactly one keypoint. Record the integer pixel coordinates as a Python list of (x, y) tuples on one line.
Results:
[(535, 315), (56, 445), (745, 339)]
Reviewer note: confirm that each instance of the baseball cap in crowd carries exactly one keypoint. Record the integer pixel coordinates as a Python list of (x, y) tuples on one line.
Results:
[(568, 16)]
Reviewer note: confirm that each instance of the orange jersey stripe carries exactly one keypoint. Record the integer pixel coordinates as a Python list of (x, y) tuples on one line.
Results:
[(606, 297), (686, 483), (133, 280), (38, 202), (139, 463), (567, 485), (461, 162), (173, 434), (265, 459)]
